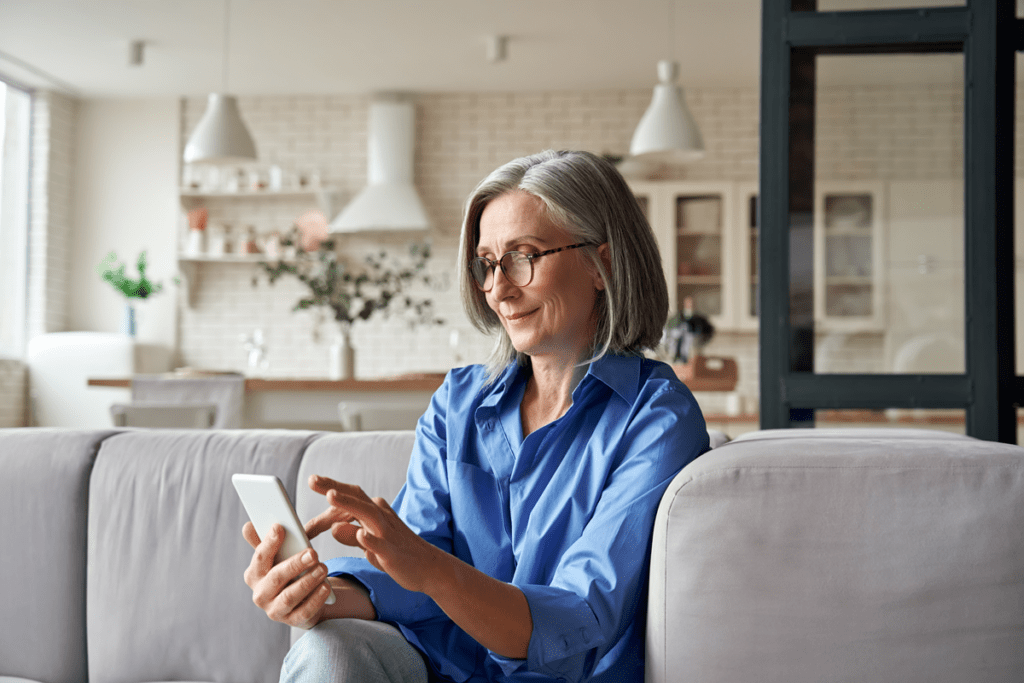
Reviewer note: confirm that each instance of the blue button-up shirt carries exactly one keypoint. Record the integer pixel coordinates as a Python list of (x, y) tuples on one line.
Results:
[(565, 514)]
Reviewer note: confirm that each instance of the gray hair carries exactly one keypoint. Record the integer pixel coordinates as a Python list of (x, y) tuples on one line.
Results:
[(587, 197)]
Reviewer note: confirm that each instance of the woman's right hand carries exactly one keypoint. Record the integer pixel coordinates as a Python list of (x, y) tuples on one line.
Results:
[(276, 591)]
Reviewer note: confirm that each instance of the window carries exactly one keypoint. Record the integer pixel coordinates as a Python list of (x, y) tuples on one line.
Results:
[(15, 122)]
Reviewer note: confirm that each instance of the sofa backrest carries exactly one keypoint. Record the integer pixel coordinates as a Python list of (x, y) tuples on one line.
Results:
[(166, 600), (44, 488), (819, 555)]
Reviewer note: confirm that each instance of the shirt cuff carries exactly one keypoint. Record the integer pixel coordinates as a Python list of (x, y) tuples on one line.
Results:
[(392, 602), (564, 626)]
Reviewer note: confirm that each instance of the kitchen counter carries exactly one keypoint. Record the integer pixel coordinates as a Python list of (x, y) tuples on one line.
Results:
[(317, 403), (410, 382)]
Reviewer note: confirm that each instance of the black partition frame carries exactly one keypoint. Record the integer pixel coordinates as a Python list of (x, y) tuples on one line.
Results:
[(988, 33)]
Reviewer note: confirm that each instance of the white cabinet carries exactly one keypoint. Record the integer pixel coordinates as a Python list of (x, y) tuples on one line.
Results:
[(708, 236), (694, 225)]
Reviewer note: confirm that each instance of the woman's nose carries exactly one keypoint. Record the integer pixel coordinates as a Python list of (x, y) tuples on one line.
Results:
[(500, 287)]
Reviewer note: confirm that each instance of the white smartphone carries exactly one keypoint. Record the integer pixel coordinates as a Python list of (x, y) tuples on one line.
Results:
[(267, 503)]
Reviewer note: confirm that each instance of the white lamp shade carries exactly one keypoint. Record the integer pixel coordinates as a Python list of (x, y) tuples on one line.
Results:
[(220, 137), (667, 131)]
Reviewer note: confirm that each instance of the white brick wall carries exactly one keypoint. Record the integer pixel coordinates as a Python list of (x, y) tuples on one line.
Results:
[(461, 137), (865, 132), (52, 184)]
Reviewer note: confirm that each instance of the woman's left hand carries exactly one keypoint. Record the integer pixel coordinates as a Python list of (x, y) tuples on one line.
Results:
[(389, 544)]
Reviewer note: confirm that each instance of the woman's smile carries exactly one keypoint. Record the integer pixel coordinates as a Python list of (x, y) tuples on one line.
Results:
[(516, 317)]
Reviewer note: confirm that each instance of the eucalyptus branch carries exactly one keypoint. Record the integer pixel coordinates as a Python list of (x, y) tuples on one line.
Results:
[(352, 295)]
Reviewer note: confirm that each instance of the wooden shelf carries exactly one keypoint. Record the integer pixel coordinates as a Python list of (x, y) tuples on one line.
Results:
[(323, 196), (848, 231), (230, 258), (686, 232), (254, 194), (713, 280), (854, 280)]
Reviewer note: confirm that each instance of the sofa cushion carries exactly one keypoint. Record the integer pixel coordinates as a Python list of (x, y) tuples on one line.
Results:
[(166, 557), (44, 488), (838, 557)]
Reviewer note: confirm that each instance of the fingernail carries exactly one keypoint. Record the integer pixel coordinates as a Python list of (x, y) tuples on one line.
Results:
[(323, 589), (307, 558), (320, 572)]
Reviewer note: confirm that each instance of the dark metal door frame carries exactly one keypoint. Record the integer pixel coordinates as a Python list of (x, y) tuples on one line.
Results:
[(988, 33)]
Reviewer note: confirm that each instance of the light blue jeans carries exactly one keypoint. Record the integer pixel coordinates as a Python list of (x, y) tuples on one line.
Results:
[(353, 651)]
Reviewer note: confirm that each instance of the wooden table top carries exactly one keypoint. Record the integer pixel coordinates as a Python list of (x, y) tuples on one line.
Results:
[(409, 382)]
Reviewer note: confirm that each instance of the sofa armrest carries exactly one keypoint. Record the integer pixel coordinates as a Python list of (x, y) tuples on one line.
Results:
[(841, 557)]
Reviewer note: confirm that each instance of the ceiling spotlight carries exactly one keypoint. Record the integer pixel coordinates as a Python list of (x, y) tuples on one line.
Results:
[(136, 52), (497, 48)]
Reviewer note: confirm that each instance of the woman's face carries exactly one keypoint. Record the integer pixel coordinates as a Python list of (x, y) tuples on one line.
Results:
[(553, 314)]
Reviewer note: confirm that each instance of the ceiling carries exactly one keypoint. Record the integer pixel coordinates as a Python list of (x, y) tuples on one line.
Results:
[(280, 47)]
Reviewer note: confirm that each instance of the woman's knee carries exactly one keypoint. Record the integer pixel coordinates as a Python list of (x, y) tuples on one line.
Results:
[(342, 650)]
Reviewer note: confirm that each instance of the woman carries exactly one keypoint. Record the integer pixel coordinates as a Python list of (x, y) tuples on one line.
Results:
[(518, 548)]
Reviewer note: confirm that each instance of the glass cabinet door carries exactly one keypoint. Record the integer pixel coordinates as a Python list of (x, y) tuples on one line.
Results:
[(699, 253), (692, 222), (848, 265)]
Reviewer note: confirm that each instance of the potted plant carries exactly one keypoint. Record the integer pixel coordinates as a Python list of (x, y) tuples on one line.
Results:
[(141, 287), (352, 293), (686, 334)]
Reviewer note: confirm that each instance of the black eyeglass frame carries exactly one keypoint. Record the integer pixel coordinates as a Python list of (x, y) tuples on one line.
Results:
[(529, 258)]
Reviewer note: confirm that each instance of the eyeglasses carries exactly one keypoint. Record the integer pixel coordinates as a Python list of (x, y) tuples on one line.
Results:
[(517, 267)]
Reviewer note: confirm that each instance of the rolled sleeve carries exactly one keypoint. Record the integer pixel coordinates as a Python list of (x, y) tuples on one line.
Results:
[(392, 602)]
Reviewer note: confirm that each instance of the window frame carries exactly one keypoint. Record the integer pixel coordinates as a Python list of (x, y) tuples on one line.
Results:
[(17, 347)]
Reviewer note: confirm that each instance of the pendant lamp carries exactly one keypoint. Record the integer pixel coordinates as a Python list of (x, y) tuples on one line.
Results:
[(221, 136), (667, 132)]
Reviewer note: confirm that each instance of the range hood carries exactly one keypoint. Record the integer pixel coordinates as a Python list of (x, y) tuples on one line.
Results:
[(389, 201)]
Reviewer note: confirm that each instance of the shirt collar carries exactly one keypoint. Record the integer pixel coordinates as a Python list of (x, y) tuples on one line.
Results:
[(620, 373), (498, 388)]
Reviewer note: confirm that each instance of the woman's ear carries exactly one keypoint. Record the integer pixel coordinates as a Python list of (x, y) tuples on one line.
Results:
[(606, 260)]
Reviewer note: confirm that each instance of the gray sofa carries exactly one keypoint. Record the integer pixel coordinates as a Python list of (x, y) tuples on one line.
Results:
[(781, 556)]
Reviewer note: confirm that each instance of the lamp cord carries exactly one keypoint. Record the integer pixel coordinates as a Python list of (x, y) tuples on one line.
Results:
[(227, 42), (672, 29)]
